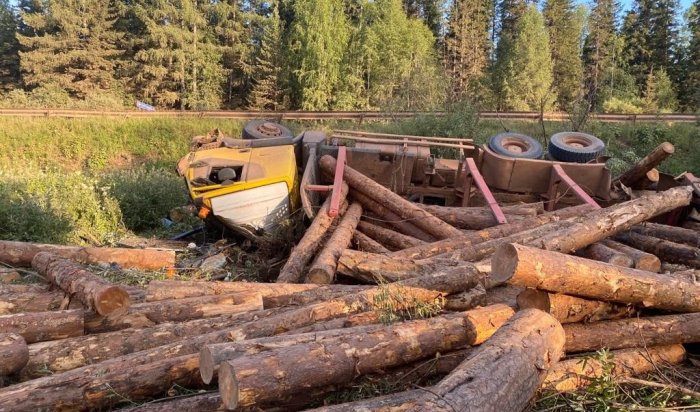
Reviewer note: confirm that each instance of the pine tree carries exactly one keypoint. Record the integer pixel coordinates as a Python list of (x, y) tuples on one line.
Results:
[(692, 81), (468, 44), (565, 28), (430, 11), (659, 95), (266, 93), (73, 46), (9, 47), (599, 47)]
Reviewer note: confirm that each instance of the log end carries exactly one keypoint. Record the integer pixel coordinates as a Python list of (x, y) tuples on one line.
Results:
[(534, 299), (207, 365), (503, 263), (621, 260), (14, 353), (667, 147), (228, 385), (112, 301), (320, 276), (41, 262), (649, 262)]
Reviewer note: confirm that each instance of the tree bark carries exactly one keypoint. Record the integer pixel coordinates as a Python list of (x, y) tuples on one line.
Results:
[(650, 161), (323, 269), (557, 272), (642, 260), (569, 309), (387, 237), (92, 291), (576, 373), (148, 314), (505, 372), (374, 268), (632, 333), (401, 225), (301, 254), (691, 225), (21, 254), (319, 294), (365, 243), (671, 233), (38, 298), (43, 326), (469, 299), (205, 402), (477, 218), (665, 250), (403, 208), (602, 253), (243, 382), (14, 353)]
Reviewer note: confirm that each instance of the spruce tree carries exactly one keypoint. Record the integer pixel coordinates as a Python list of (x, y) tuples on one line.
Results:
[(599, 52), (430, 11), (266, 93), (565, 28), (9, 47), (691, 84)]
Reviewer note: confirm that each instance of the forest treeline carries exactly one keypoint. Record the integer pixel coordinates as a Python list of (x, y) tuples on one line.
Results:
[(351, 54)]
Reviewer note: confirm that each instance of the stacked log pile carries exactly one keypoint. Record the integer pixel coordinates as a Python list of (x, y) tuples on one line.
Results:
[(506, 311)]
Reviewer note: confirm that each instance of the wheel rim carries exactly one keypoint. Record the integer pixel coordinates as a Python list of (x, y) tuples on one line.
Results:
[(515, 145), (269, 129), (576, 142)]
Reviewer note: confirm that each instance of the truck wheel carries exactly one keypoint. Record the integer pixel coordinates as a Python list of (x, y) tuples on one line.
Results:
[(575, 147), (263, 129), (516, 145)]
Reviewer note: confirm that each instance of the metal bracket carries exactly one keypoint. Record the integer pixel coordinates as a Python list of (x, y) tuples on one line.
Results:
[(472, 173), (558, 177)]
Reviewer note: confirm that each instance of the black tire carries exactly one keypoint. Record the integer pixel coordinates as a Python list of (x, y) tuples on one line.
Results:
[(263, 129), (575, 147), (516, 145)]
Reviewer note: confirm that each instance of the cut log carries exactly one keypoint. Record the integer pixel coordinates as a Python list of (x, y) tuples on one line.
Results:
[(632, 333), (205, 402), (671, 233), (469, 299), (505, 294), (557, 272), (691, 225), (504, 373), (38, 298), (320, 294), (568, 309), (642, 260), (21, 254), (365, 243), (649, 179), (600, 252), (148, 314), (243, 382), (664, 249), (358, 319), (302, 253), (92, 291), (650, 161), (374, 268), (43, 326), (403, 208), (476, 218), (322, 271), (14, 353), (576, 373), (387, 237), (603, 223), (401, 225)]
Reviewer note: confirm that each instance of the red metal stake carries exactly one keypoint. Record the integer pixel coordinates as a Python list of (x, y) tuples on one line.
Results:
[(560, 176), (337, 182), (472, 172)]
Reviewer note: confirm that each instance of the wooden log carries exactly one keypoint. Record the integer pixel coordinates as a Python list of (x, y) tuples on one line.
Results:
[(148, 314), (477, 218), (401, 225), (664, 249), (43, 326), (557, 272), (602, 253), (650, 161), (671, 233), (469, 299), (642, 260), (649, 179), (320, 294), (13, 300), (387, 237), (243, 382), (359, 319), (21, 254), (365, 243), (691, 225), (505, 372), (402, 207), (301, 254), (572, 374), (322, 270), (14, 353), (505, 294), (633, 332), (568, 309), (603, 223), (374, 268), (92, 291), (204, 402)]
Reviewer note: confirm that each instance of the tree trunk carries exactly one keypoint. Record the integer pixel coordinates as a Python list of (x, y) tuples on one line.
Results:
[(21, 254), (14, 353), (505, 372), (670, 233), (665, 250), (365, 243), (322, 271), (148, 314), (301, 255), (401, 225), (602, 223), (691, 225), (38, 298), (359, 319), (556, 272), (632, 333), (642, 260), (319, 294), (652, 160), (505, 294), (374, 268), (387, 237), (42, 326), (602, 253), (576, 373), (92, 291), (469, 299), (403, 208), (649, 179), (476, 218), (243, 382), (206, 402), (569, 309)]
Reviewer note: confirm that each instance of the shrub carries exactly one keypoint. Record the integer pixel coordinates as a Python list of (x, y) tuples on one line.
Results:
[(615, 105)]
